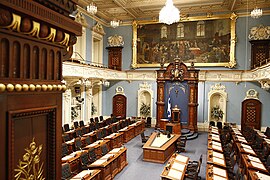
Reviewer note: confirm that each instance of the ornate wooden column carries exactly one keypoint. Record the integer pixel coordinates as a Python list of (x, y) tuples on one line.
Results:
[(36, 37), (193, 98), (160, 95)]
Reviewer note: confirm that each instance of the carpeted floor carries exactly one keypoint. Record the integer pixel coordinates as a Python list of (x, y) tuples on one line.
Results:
[(137, 169)]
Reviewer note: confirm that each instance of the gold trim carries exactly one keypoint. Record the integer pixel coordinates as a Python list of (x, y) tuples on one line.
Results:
[(231, 64), (30, 167)]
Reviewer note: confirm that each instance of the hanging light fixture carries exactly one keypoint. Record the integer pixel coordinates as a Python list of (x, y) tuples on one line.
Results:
[(256, 13), (92, 8), (115, 23), (169, 14)]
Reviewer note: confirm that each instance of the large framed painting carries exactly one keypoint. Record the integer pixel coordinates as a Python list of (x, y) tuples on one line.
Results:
[(204, 41)]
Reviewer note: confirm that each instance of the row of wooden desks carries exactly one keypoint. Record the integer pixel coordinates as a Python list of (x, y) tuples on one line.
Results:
[(175, 168), (216, 164), (111, 163), (252, 165)]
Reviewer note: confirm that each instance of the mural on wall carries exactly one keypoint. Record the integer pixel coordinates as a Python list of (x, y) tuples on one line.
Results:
[(208, 42)]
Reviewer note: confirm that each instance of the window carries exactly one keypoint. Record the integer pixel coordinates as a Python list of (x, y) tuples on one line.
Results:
[(163, 32), (180, 31), (200, 29)]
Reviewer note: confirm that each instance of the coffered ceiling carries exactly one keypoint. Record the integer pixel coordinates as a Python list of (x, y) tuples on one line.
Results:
[(129, 10)]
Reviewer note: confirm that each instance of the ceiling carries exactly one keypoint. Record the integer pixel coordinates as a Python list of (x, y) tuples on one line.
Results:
[(129, 10)]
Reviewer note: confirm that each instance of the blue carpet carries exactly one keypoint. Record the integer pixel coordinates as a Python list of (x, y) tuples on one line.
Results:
[(137, 169)]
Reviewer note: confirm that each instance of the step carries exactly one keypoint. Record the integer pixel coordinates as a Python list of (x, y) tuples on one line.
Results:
[(185, 131)]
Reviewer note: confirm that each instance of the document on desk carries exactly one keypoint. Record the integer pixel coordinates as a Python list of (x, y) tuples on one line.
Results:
[(175, 174), (218, 161), (257, 165), (83, 173), (181, 158), (252, 158), (249, 150), (262, 176), (218, 155), (115, 150), (99, 162), (219, 171), (107, 156), (178, 166), (246, 146), (216, 177), (216, 138), (219, 148), (216, 143)]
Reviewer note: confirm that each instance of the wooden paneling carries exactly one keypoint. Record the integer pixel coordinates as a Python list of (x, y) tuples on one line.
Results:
[(251, 114), (119, 105)]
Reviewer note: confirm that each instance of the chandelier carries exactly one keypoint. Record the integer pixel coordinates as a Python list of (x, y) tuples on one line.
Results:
[(256, 13), (115, 23), (169, 14), (92, 8)]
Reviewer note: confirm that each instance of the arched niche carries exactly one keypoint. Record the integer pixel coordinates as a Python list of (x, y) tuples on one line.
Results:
[(145, 95), (217, 97)]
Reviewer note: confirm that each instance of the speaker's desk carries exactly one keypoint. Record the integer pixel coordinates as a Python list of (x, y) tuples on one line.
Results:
[(159, 149)]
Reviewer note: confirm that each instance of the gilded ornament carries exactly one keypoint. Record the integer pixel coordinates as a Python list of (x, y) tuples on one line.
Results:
[(32, 87), (25, 87), (10, 87), (59, 87), (30, 167), (18, 87), (44, 87), (38, 87), (2, 87), (64, 87), (54, 87), (49, 87)]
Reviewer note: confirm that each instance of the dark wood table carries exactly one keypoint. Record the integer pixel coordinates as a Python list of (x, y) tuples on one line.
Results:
[(159, 154)]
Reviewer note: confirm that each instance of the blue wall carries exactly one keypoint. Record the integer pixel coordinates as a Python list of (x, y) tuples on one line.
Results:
[(236, 92)]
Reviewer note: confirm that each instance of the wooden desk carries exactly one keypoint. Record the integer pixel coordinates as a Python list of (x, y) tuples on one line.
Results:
[(255, 175), (252, 163), (92, 136), (163, 123), (128, 133), (175, 168), (97, 146), (239, 138), (159, 154), (88, 175), (108, 164), (116, 140), (244, 149), (216, 158), (215, 173), (73, 159), (216, 146), (138, 127), (213, 137)]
